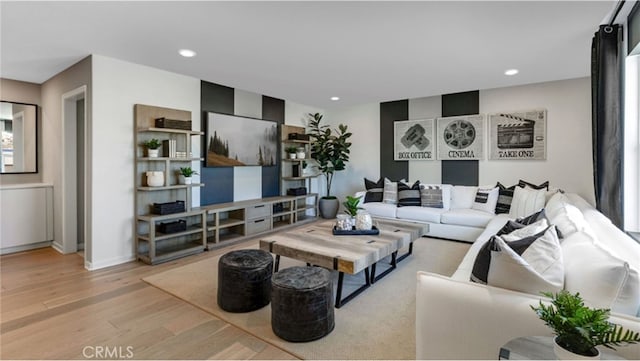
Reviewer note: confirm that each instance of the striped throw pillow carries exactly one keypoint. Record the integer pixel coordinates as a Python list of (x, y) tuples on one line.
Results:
[(374, 190), (390, 195), (409, 195), (505, 197), (431, 196)]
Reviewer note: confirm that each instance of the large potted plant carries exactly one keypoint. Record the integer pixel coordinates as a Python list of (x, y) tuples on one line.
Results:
[(330, 149), (579, 329)]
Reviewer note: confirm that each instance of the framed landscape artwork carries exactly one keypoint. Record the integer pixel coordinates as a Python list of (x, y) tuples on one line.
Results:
[(460, 138), (413, 140), (233, 141), (518, 135)]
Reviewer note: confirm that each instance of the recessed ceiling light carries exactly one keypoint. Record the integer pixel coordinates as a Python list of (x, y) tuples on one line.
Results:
[(511, 72), (187, 53), (335, 98)]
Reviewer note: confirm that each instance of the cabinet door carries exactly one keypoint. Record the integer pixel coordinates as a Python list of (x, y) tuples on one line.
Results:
[(24, 216)]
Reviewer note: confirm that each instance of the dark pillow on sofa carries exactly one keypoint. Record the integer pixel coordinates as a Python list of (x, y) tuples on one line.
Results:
[(505, 197), (532, 218), (509, 227), (409, 195), (524, 184), (374, 190)]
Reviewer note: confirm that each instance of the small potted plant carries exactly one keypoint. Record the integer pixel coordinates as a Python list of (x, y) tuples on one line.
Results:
[(579, 329), (291, 151), (351, 205), (152, 146), (185, 175)]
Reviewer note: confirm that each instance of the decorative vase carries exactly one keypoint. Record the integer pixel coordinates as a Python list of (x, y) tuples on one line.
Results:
[(153, 153), (155, 178), (185, 180), (328, 207), (300, 154), (564, 354), (344, 222), (364, 221)]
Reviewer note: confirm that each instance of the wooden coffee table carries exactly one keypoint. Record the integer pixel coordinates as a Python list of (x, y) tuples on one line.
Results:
[(316, 245)]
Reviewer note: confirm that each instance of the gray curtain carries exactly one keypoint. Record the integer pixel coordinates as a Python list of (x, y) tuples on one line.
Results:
[(607, 132)]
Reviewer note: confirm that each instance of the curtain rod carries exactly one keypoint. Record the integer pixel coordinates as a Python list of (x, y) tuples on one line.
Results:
[(615, 14)]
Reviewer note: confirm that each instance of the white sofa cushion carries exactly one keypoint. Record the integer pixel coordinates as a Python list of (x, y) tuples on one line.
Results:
[(466, 217), (567, 218), (532, 264), (378, 209), (526, 201), (422, 214), (602, 279), (462, 197)]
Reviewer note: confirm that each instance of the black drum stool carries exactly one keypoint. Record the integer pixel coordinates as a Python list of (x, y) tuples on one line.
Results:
[(302, 303), (244, 280)]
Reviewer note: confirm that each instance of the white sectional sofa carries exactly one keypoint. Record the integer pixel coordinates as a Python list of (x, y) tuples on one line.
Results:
[(456, 220), (460, 319)]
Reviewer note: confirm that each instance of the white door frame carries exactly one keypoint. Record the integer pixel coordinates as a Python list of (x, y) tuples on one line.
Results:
[(69, 169)]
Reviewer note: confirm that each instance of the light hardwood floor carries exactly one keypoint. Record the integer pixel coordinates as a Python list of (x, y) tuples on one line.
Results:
[(52, 308)]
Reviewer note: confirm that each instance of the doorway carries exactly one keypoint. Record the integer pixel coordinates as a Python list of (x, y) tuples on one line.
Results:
[(74, 173)]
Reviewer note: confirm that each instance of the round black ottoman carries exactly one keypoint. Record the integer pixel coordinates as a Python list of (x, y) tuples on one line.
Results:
[(244, 280), (302, 303)]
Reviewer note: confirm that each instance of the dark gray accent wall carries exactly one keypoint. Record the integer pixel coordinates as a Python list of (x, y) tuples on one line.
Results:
[(272, 109), (460, 172), (389, 113), (218, 181)]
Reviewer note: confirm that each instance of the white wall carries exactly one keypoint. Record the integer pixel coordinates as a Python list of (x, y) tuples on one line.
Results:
[(364, 160), (569, 154), (117, 86)]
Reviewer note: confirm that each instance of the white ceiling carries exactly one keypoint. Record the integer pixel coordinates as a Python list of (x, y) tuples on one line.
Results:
[(309, 51)]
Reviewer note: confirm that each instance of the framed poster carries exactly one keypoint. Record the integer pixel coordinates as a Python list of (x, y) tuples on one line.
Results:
[(413, 140), (518, 135), (461, 138)]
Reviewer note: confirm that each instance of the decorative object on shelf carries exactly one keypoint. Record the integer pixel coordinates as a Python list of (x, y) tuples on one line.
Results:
[(185, 175), (153, 146), (173, 124), (300, 191), (295, 170), (364, 222), (579, 329), (300, 153), (172, 227), (291, 151), (298, 136), (168, 208), (155, 178), (331, 151), (169, 148)]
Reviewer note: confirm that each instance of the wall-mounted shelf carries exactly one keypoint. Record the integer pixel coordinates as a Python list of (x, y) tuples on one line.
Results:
[(153, 246)]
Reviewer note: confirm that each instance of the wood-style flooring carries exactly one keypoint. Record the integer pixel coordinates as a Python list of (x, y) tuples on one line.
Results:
[(52, 308)]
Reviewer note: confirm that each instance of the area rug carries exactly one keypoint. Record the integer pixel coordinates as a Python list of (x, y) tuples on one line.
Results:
[(377, 324)]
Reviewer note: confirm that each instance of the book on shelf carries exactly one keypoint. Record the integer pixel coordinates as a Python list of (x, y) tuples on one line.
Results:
[(169, 148)]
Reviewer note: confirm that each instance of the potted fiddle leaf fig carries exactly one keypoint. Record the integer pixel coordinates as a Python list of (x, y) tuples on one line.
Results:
[(330, 149), (579, 329)]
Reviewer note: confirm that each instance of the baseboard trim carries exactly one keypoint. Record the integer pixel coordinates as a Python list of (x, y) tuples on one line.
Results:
[(92, 266), (57, 247), (25, 247)]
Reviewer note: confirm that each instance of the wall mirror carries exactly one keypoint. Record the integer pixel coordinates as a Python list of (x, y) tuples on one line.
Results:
[(19, 123)]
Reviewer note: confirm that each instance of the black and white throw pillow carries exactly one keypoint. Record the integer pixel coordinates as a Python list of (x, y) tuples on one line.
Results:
[(390, 192), (409, 195), (531, 264), (505, 197), (431, 196), (532, 218), (374, 190), (524, 184), (486, 200)]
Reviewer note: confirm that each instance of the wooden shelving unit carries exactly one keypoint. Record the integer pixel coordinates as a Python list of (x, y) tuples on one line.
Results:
[(288, 180), (152, 246)]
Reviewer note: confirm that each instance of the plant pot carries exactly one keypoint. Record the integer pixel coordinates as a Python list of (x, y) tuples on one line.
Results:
[(564, 354), (328, 207), (300, 155), (155, 178), (185, 180), (153, 153), (292, 155), (363, 221)]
